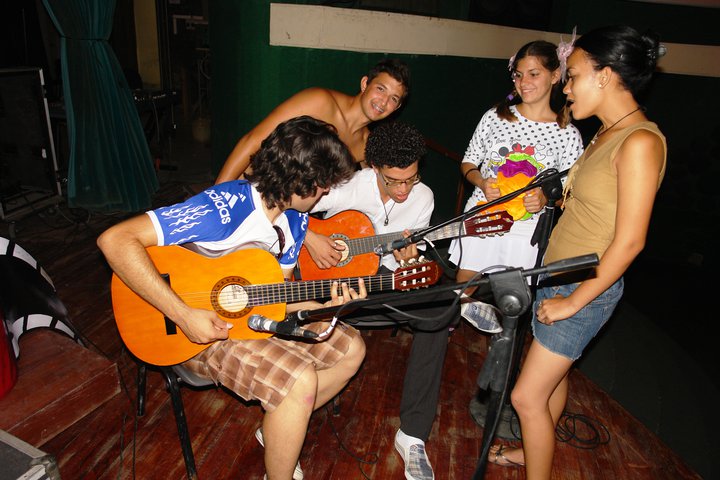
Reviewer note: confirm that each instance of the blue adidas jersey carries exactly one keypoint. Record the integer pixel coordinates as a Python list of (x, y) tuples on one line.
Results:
[(229, 217)]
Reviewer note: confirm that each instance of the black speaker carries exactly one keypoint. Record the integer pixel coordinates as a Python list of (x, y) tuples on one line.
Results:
[(28, 165)]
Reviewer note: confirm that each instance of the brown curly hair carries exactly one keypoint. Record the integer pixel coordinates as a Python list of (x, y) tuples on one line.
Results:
[(299, 156)]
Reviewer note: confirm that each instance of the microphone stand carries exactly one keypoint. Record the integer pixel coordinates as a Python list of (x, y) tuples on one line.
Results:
[(550, 177), (552, 188), (513, 297)]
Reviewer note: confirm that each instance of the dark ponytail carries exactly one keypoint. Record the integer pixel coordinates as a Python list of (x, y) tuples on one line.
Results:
[(632, 56)]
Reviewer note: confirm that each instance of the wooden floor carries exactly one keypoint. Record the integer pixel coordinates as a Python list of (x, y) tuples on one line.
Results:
[(112, 443)]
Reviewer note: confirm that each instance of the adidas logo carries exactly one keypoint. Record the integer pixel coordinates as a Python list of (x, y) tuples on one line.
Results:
[(224, 202), (230, 199)]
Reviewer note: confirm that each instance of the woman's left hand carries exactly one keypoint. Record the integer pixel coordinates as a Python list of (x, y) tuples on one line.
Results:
[(534, 200)]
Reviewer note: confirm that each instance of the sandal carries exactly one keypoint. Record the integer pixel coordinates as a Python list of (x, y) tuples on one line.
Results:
[(498, 457)]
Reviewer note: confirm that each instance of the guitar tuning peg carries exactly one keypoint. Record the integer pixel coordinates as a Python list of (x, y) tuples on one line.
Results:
[(412, 261)]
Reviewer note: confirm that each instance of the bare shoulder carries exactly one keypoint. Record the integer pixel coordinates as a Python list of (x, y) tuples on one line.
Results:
[(318, 99), (641, 149), (315, 102)]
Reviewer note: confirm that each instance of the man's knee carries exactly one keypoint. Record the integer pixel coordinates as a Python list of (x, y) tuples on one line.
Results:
[(304, 389), (355, 354)]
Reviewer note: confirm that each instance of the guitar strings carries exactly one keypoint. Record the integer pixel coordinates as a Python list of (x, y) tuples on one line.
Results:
[(265, 294)]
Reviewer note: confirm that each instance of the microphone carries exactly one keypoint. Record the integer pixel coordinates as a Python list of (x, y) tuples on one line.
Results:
[(390, 246), (260, 323)]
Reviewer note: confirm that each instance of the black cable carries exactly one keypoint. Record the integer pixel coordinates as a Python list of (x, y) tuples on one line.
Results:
[(438, 258), (369, 458), (122, 442), (571, 425), (451, 307), (134, 444), (124, 388)]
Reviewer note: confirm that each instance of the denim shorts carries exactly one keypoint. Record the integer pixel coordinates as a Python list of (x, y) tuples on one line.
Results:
[(569, 337)]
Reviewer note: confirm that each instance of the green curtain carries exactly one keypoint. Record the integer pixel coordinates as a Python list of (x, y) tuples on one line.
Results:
[(110, 167)]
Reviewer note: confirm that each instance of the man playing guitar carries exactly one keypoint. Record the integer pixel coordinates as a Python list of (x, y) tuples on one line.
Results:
[(296, 164), (391, 195)]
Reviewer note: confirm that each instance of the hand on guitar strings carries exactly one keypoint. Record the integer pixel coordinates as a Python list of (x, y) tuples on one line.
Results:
[(342, 295), (324, 251), (203, 326), (408, 253)]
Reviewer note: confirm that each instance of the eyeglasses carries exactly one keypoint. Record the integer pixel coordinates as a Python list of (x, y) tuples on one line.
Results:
[(414, 180)]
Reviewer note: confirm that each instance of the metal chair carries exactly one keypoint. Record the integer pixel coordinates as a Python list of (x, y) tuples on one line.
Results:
[(174, 376)]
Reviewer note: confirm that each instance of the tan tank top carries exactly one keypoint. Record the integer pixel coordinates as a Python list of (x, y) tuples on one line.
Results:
[(587, 224)]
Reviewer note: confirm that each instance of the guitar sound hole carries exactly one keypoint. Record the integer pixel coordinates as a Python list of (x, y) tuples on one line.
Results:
[(342, 240), (229, 297)]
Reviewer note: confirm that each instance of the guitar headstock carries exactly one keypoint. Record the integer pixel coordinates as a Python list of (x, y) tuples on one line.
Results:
[(421, 273), (494, 223)]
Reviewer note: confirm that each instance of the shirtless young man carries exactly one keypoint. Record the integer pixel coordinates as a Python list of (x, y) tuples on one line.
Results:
[(382, 92)]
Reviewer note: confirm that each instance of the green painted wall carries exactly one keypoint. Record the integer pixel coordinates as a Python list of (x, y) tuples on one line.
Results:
[(250, 78)]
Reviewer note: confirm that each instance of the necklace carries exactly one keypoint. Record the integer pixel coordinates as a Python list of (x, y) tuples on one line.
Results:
[(387, 214), (603, 130)]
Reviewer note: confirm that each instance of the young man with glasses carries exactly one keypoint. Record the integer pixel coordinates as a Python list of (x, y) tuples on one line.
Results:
[(296, 164), (391, 195)]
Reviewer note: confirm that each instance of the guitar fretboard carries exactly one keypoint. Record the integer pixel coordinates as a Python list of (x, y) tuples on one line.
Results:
[(359, 246), (290, 292)]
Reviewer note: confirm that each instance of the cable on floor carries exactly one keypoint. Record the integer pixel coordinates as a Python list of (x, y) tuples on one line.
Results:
[(367, 459), (581, 431)]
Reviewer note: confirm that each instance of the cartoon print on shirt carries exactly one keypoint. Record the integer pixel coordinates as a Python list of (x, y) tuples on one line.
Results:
[(514, 169)]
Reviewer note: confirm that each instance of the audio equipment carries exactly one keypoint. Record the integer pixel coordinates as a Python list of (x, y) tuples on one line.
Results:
[(28, 165)]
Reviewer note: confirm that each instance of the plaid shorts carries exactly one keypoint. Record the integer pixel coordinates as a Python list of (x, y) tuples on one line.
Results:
[(266, 369)]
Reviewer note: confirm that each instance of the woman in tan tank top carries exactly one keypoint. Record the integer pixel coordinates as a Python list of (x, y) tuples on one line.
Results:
[(609, 196)]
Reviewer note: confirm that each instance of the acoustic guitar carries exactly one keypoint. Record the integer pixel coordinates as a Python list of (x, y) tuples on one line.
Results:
[(235, 286), (355, 232)]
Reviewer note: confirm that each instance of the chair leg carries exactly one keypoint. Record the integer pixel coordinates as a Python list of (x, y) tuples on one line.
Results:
[(141, 388), (183, 432)]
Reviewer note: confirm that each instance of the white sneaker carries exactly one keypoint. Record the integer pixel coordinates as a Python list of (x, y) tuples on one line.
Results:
[(297, 474), (480, 315), (417, 464)]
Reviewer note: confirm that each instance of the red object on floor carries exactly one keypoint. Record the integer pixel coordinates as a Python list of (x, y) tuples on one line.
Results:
[(8, 365)]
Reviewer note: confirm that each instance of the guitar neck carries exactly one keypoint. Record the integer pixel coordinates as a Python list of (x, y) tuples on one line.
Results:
[(455, 229), (290, 292), (363, 245)]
